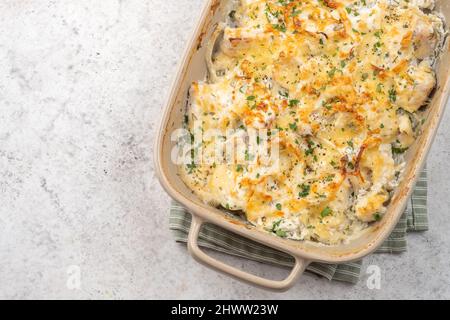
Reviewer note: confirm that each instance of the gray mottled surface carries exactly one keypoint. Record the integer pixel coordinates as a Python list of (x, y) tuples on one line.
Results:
[(82, 84)]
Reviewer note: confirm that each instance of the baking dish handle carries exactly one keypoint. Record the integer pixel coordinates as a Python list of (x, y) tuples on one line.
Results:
[(200, 256)]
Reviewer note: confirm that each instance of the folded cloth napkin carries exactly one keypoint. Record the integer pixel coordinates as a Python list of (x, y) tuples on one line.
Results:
[(414, 219)]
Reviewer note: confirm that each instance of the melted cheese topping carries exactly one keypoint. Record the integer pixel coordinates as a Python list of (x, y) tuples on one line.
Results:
[(339, 84)]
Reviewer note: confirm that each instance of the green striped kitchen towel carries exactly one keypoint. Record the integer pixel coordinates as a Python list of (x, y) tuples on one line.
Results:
[(414, 219)]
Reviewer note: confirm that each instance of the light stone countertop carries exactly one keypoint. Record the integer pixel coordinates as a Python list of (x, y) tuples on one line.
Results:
[(82, 85)]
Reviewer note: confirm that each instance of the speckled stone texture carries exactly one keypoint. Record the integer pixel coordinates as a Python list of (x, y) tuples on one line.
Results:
[(82, 86)]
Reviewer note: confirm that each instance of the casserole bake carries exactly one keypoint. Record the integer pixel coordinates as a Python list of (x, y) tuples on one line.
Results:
[(193, 69), (307, 110)]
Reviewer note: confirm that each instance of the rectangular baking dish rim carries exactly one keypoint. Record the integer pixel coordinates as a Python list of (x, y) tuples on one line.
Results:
[(210, 215)]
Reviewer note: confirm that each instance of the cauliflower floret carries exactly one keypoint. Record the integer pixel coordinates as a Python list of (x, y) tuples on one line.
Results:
[(406, 137), (424, 39), (223, 190), (236, 40), (412, 93), (370, 204), (424, 4)]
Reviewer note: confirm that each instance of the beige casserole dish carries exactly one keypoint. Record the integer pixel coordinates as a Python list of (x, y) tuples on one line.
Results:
[(192, 68)]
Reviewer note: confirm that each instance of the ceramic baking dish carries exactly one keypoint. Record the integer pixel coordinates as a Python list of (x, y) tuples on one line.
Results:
[(192, 68)]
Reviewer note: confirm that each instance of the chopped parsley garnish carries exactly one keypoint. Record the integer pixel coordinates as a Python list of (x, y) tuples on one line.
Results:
[(326, 105), (276, 224), (377, 45), (191, 167), (280, 27), (284, 94), (332, 72), (325, 212), (392, 95), (310, 150), (295, 12), (306, 188), (276, 229), (281, 233), (398, 150), (293, 102), (293, 126), (379, 88)]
